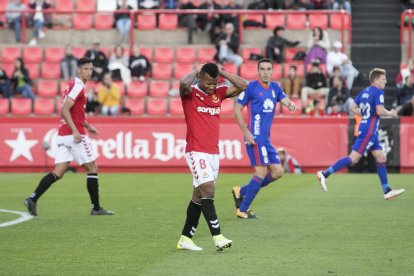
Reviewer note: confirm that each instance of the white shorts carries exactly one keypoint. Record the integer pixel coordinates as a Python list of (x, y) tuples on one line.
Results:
[(203, 166), (67, 150)]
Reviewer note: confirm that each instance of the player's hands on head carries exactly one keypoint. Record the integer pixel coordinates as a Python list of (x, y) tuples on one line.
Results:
[(77, 137)]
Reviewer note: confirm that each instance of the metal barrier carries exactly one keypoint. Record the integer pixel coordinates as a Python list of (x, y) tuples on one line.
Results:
[(409, 15)]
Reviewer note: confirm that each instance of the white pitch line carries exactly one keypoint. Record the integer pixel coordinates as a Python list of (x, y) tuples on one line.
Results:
[(23, 217)]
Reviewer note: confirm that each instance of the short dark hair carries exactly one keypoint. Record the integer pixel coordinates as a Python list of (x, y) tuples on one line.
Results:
[(278, 28), (293, 66), (264, 60), (211, 69), (83, 61), (376, 73)]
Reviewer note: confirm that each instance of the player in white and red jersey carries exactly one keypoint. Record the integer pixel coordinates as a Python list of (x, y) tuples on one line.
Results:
[(202, 106), (73, 143)]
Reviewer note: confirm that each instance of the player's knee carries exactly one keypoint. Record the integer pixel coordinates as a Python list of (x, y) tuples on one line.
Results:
[(278, 173), (381, 159)]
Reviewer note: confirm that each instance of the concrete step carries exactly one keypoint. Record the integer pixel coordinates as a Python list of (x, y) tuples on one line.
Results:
[(375, 39), (379, 53), (378, 7), (368, 23)]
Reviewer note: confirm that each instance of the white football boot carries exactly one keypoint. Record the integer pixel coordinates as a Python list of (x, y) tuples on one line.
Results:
[(322, 180)]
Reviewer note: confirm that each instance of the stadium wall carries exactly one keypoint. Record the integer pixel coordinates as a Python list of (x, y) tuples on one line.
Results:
[(158, 144)]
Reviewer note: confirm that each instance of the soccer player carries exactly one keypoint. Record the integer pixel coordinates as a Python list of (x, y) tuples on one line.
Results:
[(261, 96), (369, 104), (73, 143), (201, 103)]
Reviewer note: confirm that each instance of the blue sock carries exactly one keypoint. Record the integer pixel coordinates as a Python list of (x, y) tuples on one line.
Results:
[(340, 164), (252, 189), (267, 180), (382, 173), (243, 189)]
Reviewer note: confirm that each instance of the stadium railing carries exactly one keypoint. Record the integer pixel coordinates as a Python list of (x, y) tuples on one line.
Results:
[(407, 16)]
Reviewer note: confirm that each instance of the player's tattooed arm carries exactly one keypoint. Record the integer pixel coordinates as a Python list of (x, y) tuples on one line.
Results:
[(289, 104), (186, 82), (248, 136), (239, 84), (68, 119), (90, 128)]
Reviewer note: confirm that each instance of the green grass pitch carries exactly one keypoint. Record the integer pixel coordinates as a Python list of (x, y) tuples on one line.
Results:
[(351, 230)]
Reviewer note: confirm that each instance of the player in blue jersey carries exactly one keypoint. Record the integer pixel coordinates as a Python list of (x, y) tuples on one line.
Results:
[(261, 97), (369, 103)]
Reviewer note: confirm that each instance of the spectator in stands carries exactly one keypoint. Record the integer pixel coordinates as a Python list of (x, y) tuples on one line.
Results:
[(337, 58), (318, 46), (39, 19), (315, 83), (339, 99), (316, 109), (69, 64), (319, 4), (14, 17), (406, 92), (188, 20), (109, 96), (336, 72), (123, 20), (148, 4), (92, 104), (232, 18), (170, 4), (227, 45), (211, 22), (342, 5), (276, 44), (289, 163), (5, 88), (407, 109), (404, 73), (21, 81), (138, 64), (298, 4), (99, 60), (292, 84), (119, 65)]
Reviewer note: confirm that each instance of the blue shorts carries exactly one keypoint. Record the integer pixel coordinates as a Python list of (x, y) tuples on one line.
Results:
[(366, 144), (262, 154)]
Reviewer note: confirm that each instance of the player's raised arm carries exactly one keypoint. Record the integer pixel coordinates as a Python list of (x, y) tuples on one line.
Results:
[(289, 104), (249, 139), (187, 81), (67, 105), (239, 84)]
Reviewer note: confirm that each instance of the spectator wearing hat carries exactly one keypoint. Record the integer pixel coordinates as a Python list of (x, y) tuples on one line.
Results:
[(276, 44), (337, 58), (99, 60)]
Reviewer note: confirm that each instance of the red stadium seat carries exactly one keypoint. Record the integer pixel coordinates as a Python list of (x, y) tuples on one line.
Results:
[(164, 55), (227, 107), (247, 51), (82, 22), (147, 21), (4, 106), (159, 88), (336, 21), (3, 4), (168, 22), (175, 87), (8, 68), (161, 71), (64, 5), (156, 106), (147, 52), (21, 106), (176, 107), (86, 5), (254, 17), (62, 86), (296, 21), (206, 54), (51, 71), (318, 20), (300, 69), (33, 55), (33, 69), (44, 106), (9, 54), (186, 55), (103, 21), (137, 106), (137, 89), (78, 52), (54, 55), (291, 52), (273, 20), (47, 88), (180, 70), (230, 67), (277, 72), (248, 71)]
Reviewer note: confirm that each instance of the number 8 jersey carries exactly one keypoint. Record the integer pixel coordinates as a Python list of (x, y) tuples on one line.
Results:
[(367, 100)]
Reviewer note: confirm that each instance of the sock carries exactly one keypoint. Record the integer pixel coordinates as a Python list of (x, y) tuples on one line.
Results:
[(243, 190), (44, 184), (382, 173), (191, 222), (340, 164), (267, 180), (93, 189), (209, 212), (252, 190)]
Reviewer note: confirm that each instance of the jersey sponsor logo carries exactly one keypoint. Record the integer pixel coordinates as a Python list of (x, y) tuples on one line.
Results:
[(381, 98), (268, 105), (365, 95), (241, 96), (215, 99), (201, 98), (256, 127), (209, 110), (273, 93), (264, 153)]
